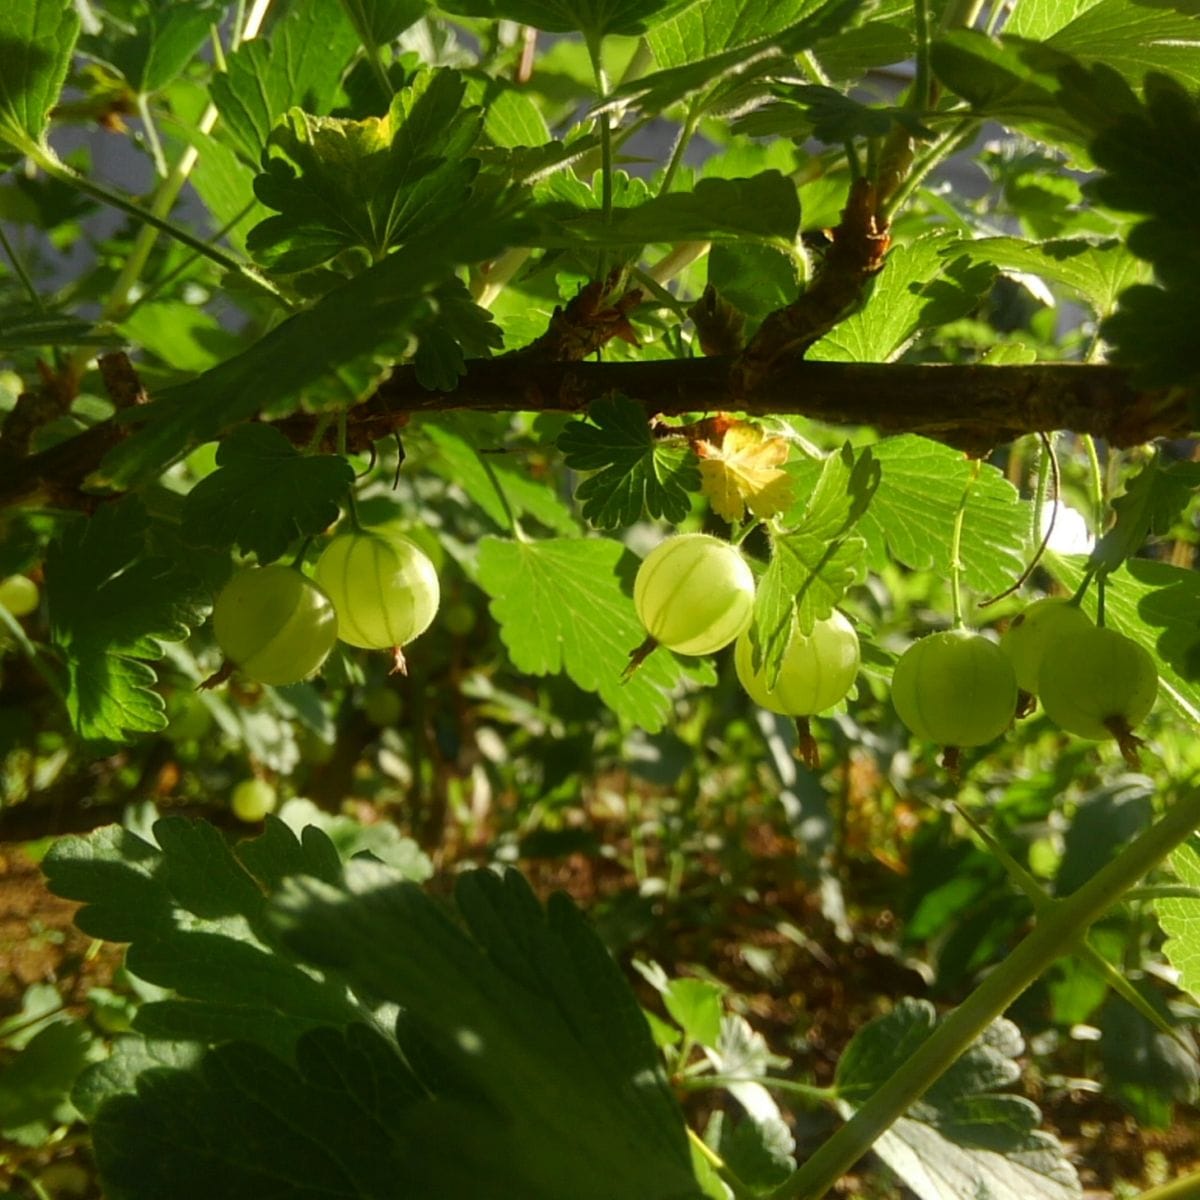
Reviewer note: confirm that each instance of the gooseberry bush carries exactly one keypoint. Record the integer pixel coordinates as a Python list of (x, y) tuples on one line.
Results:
[(598, 599)]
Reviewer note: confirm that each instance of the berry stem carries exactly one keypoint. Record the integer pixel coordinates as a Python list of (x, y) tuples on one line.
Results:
[(807, 750), (639, 656), (956, 549)]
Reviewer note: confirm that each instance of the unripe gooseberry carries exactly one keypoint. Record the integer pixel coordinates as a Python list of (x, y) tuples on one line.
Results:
[(384, 587), (252, 799), (1097, 683), (274, 624), (955, 688), (694, 593), (1033, 631), (19, 594), (816, 672)]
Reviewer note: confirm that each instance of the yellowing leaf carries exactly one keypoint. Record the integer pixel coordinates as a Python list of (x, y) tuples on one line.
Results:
[(744, 472)]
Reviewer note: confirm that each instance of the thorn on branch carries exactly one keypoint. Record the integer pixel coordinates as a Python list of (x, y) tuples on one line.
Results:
[(599, 313)]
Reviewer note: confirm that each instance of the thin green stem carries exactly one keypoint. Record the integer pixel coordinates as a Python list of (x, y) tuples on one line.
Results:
[(33, 652), (358, 18), (1036, 895), (606, 147), (1096, 482), (744, 533), (1163, 891), (956, 550), (735, 1185), (962, 14), (686, 130), (812, 68), (502, 495), (152, 138), (1055, 934), (962, 131), (19, 269), (351, 500), (1039, 496), (922, 80), (149, 217), (677, 259), (154, 217), (1185, 1188), (700, 1083)]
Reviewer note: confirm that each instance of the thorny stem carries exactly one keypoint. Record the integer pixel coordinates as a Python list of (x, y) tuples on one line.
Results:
[(677, 151), (1055, 934)]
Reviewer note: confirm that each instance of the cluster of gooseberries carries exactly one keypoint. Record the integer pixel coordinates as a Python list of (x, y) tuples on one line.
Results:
[(959, 689), (695, 595), (374, 589)]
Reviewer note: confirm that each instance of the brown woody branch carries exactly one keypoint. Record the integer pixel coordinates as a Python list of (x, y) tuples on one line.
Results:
[(971, 407)]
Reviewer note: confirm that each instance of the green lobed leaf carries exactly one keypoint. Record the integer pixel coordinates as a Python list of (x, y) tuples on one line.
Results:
[(381, 21), (371, 185), (637, 474), (1152, 502), (455, 329), (112, 609), (703, 30), (119, 1072), (360, 322), (911, 517), (880, 34), (1131, 36), (1097, 272), (1157, 605), (961, 1138), (529, 1024), (37, 38), (265, 494), (35, 1085), (764, 208), (815, 563), (295, 63), (166, 38), (458, 461), (1147, 1069), (1015, 82), (1148, 153), (564, 605), (922, 285), (1180, 918), (736, 62), (595, 19), (240, 1122), (193, 910), (23, 326), (695, 1006), (836, 118)]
